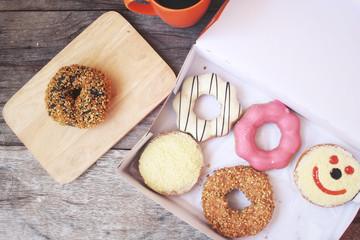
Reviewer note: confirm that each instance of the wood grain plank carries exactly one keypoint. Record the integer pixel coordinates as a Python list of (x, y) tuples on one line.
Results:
[(49, 5), (353, 231), (8, 138), (28, 41), (29, 45), (98, 205), (140, 80)]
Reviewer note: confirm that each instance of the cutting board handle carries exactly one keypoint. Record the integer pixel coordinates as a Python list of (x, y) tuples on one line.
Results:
[(140, 7)]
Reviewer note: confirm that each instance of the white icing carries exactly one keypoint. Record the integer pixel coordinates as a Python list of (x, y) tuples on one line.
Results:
[(224, 92)]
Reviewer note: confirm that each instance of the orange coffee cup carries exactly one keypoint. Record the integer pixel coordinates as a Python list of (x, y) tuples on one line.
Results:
[(182, 18)]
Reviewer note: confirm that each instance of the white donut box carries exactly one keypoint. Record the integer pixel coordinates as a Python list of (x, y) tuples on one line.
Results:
[(304, 53)]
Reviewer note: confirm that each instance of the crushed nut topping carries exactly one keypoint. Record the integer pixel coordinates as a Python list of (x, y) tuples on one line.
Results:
[(234, 223)]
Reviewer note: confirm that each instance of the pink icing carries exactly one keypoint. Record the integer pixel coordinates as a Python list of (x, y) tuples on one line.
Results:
[(256, 116)]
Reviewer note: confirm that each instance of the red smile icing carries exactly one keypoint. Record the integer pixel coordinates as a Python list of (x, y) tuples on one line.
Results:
[(321, 187)]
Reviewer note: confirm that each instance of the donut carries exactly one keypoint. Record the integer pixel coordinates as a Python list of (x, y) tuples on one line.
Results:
[(257, 115), (78, 96), (192, 89), (234, 223), (327, 175), (171, 163)]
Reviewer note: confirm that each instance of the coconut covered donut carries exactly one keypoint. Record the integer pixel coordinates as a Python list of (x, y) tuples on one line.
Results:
[(327, 175), (171, 163), (224, 92), (234, 223), (78, 96)]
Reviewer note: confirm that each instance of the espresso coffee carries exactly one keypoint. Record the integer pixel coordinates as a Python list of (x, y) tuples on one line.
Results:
[(177, 4)]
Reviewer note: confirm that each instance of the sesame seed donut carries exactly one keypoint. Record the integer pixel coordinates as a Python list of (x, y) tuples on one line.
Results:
[(234, 223), (194, 87), (78, 96), (327, 175)]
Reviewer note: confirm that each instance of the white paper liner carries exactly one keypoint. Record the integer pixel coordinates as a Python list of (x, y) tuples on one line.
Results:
[(294, 217)]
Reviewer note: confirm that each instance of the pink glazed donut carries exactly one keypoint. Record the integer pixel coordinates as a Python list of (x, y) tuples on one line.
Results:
[(256, 116)]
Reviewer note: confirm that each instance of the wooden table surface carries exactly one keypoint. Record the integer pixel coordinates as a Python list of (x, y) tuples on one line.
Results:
[(99, 204)]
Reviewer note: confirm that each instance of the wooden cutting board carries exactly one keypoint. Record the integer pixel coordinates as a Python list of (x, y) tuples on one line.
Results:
[(140, 81)]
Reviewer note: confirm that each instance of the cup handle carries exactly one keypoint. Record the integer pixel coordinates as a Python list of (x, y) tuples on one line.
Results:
[(140, 7)]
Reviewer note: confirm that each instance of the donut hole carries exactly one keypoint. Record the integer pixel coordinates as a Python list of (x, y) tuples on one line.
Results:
[(268, 136), (207, 107), (237, 200), (75, 93)]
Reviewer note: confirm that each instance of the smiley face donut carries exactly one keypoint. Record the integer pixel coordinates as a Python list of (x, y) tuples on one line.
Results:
[(184, 102), (327, 175), (256, 116)]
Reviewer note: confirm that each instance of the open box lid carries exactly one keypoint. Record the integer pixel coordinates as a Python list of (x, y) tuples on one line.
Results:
[(305, 53)]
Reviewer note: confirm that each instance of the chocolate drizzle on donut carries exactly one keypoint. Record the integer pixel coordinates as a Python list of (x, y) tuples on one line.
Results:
[(217, 98), (227, 99), (179, 111), (197, 96), (189, 109), (184, 102), (211, 82)]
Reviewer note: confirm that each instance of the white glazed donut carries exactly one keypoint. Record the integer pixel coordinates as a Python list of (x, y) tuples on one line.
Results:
[(224, 93)]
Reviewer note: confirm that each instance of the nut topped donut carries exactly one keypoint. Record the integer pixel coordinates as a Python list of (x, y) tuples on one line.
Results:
[(224, 92), (327, 175), (78, 96), (234, 223), (256, 116)]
